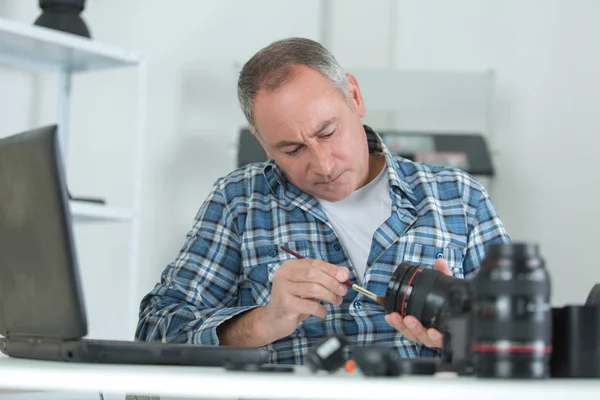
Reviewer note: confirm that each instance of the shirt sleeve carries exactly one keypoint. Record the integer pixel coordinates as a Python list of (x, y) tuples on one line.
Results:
[(199, 290), (485, 228)]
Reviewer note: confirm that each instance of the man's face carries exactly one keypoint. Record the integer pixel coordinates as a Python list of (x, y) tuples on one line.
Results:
[(314, 134)]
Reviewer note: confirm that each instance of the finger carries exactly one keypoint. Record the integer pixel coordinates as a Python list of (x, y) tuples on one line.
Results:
[(418, 330), (309, 307), (341, 274), (302, 317), (436, 337), (313, 290), (316, 274), (442, 265), (395, 320)]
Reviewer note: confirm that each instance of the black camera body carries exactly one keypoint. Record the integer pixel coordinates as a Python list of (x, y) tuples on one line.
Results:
[(500, 324)]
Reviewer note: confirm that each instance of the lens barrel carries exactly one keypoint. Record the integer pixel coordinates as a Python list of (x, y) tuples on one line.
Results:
[(507, 304), (423, 293), (512, 318)]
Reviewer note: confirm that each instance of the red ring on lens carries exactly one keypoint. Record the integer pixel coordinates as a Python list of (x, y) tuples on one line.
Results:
[(513, 348), (417, 270)]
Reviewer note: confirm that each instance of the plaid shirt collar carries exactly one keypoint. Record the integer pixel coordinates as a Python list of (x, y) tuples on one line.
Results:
[(277, 180)]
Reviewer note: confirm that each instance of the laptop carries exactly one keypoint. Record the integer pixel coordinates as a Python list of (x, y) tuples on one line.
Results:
[(42, 312)]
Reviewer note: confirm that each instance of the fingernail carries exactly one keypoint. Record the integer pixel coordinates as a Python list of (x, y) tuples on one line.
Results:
[(434, 336), (410, 323), (341, 275), (342, 289)]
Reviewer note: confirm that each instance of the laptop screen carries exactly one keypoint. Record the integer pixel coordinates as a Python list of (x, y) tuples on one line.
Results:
[(40, 292)]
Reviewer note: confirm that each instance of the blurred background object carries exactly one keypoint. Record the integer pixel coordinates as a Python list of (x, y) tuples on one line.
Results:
[(63, 15)]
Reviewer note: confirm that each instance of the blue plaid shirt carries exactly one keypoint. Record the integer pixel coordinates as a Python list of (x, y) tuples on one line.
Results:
[(227, 263)]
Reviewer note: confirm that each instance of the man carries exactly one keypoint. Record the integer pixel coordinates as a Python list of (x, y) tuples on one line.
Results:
[(333, 193)]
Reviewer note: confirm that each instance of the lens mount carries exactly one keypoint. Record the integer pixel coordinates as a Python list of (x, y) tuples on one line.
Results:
[(393, 302)]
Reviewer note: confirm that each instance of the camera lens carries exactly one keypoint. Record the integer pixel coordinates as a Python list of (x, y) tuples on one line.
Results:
[(512, 320), (423, 293)]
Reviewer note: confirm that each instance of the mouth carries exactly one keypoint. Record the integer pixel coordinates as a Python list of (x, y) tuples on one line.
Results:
[(331, 181)]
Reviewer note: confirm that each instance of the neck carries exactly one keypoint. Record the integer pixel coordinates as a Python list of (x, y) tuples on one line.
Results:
[(376, 164)]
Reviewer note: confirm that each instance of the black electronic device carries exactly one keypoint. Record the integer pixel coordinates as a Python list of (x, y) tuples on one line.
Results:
[(42, 312), (576, 339), (384, 361), (467, 151), (327, 355), (249, 149)]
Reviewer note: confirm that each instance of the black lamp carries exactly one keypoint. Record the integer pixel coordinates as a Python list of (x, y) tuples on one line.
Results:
[(63, 15)]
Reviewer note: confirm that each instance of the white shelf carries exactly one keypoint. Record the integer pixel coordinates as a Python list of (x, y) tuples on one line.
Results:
[(26, 47), (98, 212), (38, 48)]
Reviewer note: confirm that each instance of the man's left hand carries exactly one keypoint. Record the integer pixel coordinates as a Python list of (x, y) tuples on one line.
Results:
[(411, 327)]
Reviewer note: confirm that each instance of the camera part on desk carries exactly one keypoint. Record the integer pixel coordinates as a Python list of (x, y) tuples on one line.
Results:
[(498, 325)]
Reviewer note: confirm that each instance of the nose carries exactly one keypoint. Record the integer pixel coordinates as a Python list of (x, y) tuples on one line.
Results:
[(322, 161)]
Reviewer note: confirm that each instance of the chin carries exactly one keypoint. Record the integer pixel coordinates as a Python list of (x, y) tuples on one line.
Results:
[(336, 191), (335, 195)]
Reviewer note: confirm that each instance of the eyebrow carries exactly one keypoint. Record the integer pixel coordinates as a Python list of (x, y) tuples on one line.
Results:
[(324, 126)]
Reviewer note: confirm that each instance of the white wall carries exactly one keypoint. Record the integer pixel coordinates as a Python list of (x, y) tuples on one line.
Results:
[(192, 47), (546, 58), (546, 61)]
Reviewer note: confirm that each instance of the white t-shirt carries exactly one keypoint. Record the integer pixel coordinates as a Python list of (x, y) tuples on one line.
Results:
[(356, 218)]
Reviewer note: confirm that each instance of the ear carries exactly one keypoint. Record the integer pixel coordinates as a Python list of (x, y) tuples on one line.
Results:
[(355, 95), (258, 137)]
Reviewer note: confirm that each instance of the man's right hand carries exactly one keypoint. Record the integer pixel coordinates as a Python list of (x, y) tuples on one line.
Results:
[(299, 287)]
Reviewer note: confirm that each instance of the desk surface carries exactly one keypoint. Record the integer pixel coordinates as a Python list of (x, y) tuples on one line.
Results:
[(198, 382)]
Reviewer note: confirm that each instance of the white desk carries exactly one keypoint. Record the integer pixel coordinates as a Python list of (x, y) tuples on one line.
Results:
[(213, 383)]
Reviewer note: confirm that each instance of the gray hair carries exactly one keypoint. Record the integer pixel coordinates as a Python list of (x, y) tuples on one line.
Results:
[(273, 66)]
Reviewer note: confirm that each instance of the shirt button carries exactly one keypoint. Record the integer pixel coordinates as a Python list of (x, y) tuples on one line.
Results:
[(439, 255), (357, 304), (273, 253), (337, 247)]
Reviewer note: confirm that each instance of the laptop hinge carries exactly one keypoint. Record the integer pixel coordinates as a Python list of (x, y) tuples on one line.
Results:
[(33, 339), (41, 348)]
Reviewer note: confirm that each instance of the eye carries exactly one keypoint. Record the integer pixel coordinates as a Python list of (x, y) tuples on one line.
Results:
[(293, 152), (329, 134)]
